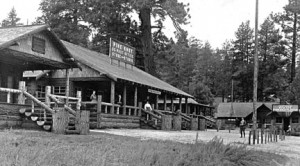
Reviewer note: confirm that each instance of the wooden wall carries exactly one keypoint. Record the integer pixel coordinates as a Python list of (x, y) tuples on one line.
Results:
[(51, 52)]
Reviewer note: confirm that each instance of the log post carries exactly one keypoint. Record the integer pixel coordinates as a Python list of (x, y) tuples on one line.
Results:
[(156, 102), (84, 122), (60, 120), (78, 105), (172, 104), (8, 97), (202, 124), (180, 104), (67, 86), (135, 101), (250, 137), (112, 97), (99, 110), (124, 100), (140, 109), (47, 98), (21, 97), (177, 121), (165, 102), (194, 123), (186, 106), (166, 121)]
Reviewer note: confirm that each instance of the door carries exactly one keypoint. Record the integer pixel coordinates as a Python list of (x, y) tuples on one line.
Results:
[(286, 123)]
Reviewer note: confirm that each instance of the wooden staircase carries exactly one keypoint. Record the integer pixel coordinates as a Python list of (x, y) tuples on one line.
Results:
[(151, 120)]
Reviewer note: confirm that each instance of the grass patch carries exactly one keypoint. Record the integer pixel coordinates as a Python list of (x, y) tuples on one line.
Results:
[(25, 147)]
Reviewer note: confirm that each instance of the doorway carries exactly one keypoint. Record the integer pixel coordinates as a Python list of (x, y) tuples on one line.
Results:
[(286, 123)]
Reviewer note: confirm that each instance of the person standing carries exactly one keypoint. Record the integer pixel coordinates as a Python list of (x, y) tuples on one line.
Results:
[(242, 127), (148, 108)]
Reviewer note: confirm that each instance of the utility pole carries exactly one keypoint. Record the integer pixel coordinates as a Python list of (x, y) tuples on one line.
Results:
[(254, 118)]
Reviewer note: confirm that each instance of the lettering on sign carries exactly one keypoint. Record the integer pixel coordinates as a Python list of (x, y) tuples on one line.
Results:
[(154, 91), (285, 108), (122, 52)]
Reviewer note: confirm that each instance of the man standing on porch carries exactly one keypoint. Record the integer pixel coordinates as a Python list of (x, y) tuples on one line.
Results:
[(147, 107)]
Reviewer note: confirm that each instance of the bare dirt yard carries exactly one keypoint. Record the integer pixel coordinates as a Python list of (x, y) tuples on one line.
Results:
[(289, 147)]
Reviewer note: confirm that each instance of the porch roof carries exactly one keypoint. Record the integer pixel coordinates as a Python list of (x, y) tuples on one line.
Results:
[(101, 63)]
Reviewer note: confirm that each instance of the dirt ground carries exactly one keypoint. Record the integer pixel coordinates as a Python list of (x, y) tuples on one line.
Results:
[(289, 147)]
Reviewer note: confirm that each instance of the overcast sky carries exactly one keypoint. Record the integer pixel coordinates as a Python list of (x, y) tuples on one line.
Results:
[(212, 20)]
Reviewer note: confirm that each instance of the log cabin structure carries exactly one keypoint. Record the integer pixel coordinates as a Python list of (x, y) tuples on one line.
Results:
[(121, 91), (21, 49)]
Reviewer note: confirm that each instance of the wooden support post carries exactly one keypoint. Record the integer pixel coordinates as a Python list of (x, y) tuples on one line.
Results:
[(21, 97), (140, 109), (186, 106), (165, 102), (99, 107), (112, 97), (47, 98), (254, 136), (78, 103), (8, 98), (156, 102), (60, 120), (135, 101), (257, 135), (202, 124), (180, 104), (250, 132), (172, 104), (166, 121), (262, 136), (124, 100), (67, 86)]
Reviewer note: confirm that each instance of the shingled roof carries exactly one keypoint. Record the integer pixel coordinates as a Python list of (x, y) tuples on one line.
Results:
[(101, 63), (10, 35), (239, 109)]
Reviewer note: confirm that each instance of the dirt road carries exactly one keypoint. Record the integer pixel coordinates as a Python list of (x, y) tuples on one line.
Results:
[(289, 147)]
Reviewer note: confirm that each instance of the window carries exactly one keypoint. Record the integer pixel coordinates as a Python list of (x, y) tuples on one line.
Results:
[(38, 45), (278, 120), (41, 92), (295, 120), (59, 90)]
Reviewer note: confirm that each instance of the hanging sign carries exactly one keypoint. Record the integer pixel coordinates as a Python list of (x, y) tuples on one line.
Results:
[(154, 91), (285, 108), (121, 52)]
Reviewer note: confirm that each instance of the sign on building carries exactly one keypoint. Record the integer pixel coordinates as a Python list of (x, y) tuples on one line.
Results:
[(154, 91), (285, 108), (121, 52)]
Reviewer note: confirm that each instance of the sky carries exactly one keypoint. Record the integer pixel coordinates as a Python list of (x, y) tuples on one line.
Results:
[(214, 21)]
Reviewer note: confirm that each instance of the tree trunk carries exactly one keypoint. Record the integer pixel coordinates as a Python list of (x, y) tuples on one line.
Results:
[(294, 48), (147, 40)]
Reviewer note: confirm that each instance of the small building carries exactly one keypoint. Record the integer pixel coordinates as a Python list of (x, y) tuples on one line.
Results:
[(231, 113)]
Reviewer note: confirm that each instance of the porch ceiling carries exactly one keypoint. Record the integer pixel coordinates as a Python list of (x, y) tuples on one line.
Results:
[(28, 61)]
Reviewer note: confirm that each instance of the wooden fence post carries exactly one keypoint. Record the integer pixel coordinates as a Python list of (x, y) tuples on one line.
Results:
[(60, 120), (21, 97), (84, 122), (177, 122), (257, 135), (166, 122), (194, 123), (47, 93), (99, 110)]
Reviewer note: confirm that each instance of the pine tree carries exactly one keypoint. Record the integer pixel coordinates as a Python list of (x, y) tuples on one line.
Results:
[(12, 19)]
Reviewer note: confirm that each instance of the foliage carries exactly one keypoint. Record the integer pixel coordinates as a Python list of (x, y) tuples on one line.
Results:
[(20, 147), (12, 19)]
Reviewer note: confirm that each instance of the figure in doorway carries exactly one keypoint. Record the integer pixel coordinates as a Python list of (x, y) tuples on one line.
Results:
[(242, 127), (93, 96)]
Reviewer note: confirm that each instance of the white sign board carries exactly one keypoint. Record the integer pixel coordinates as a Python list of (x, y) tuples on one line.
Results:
[(154, 91), (285, 108)]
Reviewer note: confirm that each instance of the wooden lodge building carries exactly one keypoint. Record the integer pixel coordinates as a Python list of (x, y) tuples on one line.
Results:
[(59, 74)]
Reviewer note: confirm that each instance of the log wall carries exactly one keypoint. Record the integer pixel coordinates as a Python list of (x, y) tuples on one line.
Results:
[(10, 116), (116, 121)]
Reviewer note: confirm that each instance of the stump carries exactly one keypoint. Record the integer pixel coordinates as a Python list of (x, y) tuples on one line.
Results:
[(194, 123), (84, 122), (60, 121), (166, 122), (177, 122)]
